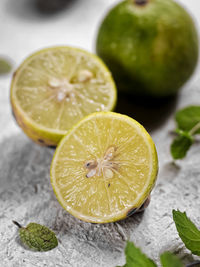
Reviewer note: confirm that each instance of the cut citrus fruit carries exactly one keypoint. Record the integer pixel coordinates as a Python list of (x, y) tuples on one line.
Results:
[(55, 88), (104, 168)]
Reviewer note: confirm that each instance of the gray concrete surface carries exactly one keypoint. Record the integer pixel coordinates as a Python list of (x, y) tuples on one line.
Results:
[(25, 191)]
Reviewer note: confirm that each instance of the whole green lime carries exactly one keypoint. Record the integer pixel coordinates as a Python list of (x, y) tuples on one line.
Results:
[(150, 46)]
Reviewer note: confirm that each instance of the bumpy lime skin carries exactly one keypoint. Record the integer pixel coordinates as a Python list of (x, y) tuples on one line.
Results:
[(151, 49)]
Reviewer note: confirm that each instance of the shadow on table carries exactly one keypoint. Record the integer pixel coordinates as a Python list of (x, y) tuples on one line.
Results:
[(110, 236), (187, 258), (151, 113), (37, 9)]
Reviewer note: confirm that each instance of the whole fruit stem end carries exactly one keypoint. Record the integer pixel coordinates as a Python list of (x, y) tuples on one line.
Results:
[(141, 2)]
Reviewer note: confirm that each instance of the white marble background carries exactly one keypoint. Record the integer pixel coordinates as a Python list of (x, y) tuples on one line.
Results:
[(25, 191)]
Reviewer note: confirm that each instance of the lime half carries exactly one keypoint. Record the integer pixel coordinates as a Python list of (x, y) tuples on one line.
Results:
[(56, 87), (104, 168)]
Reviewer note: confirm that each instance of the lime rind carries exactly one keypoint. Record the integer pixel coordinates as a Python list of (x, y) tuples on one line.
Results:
[(36, 131), (135, 43), (146, 190)]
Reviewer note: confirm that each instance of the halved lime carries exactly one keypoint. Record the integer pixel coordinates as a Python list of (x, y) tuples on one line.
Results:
[(56, 87), (104, 168)]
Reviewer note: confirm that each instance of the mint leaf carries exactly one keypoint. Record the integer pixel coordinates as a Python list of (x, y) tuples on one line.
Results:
[(5, 66), (37, 237), (170, 260), (188, 117), (188, 121), (181, 145), (188, 232), (135, 258)]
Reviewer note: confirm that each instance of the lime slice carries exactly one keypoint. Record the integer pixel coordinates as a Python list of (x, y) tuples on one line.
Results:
[(55, 88), (104, 168)]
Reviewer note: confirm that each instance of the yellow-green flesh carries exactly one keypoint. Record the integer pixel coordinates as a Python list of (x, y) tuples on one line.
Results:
[(56, 87), (109, 195)]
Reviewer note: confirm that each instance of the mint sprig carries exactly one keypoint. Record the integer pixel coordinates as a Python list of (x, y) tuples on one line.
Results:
[(181, 145), (188, 232), (170, 260), (37, 237), (187, 118), (135, 258), (188, 122)]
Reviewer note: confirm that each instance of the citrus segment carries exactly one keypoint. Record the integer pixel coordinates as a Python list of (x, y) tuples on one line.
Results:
[(56, 87), (105, 167)]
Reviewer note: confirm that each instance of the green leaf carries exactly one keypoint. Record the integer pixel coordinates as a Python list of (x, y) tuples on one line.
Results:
[(135, 258), (188, 117), (37, 237), (170, 260), (188, 232), (181, 145), (5, 66)]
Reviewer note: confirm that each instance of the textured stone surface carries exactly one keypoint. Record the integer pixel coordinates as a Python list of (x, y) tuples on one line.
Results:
[(25, 191)]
